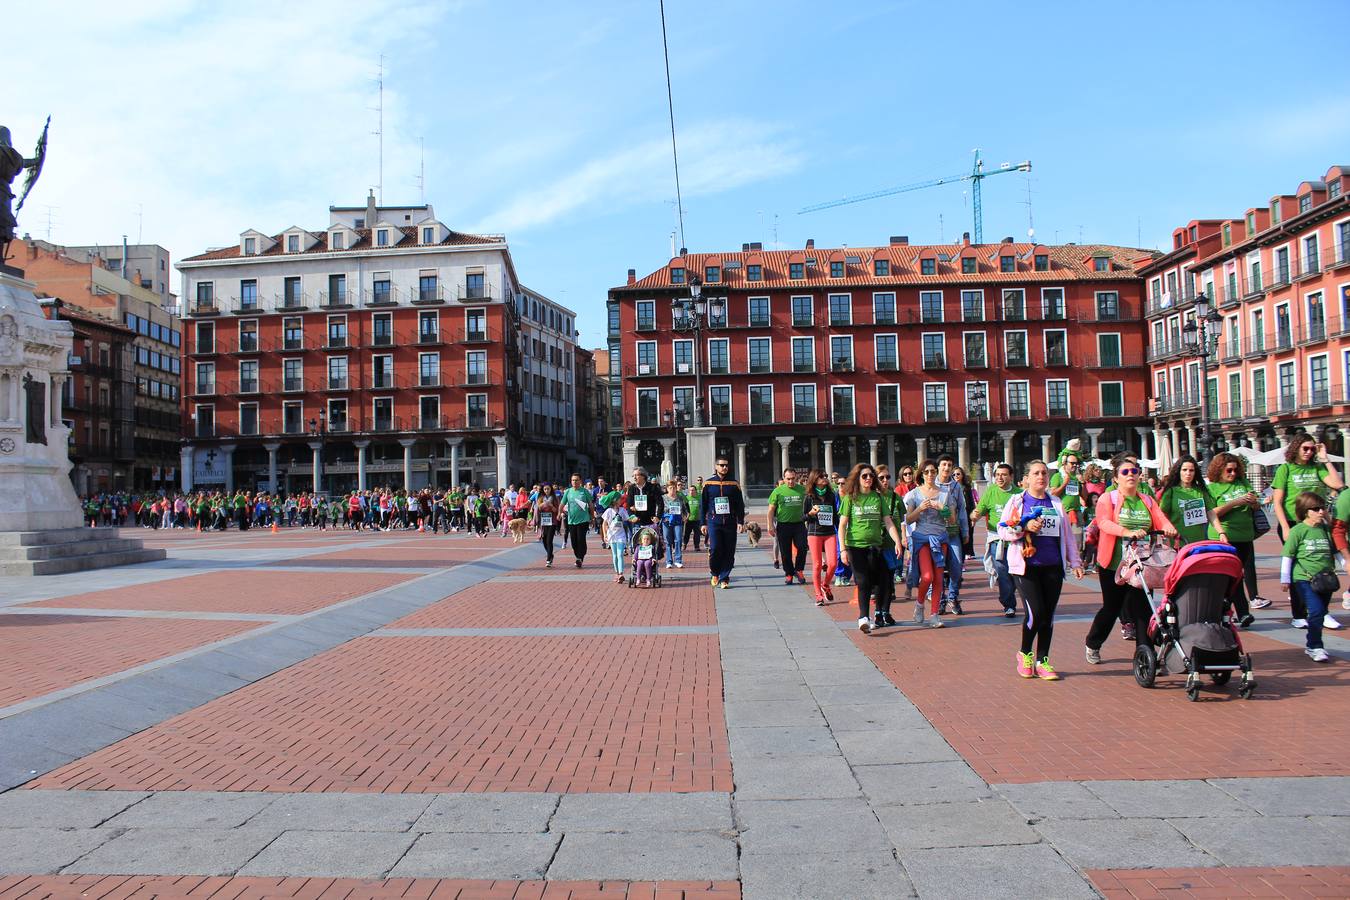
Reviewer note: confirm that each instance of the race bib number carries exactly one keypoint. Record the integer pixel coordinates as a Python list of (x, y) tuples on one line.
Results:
[(1049, 524), (640, 502), (825, 517), (722, 506), (1193, 513), (644, 551), (1072, 489), (546, 519), (674, 508)]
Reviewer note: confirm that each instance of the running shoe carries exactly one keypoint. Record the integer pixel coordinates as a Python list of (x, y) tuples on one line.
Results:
[(801, 579), (1046, 672), (577, 563), (1329, 622), (890, 620), (1345, 600), (787, 580), (1317, 654), (918, 614), (1127, 632), (820, 601), (549, 564), (936, 621), (724, 584), (956, 608), (1026, 665), (714, 581), (879, 620), (1009, 613), (679, 565), (1299, 623), (1247, 620), (865, 625), (1094, 656), (1260, 603)]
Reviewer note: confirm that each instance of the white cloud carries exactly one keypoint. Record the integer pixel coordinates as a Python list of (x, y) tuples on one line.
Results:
[(714, 157)]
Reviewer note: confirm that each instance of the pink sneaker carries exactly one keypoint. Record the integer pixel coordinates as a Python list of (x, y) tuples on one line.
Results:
[(1026, 665)]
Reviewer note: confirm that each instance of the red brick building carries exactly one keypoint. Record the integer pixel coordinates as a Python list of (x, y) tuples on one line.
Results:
[(831, 356), (1279, 277)]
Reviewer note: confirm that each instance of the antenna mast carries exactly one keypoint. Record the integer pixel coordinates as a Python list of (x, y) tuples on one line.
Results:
[(422, 170), (379, 131)]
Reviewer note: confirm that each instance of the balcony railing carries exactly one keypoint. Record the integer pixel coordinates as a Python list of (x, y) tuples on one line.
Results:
[(245, 306), (429, 296), (205, 348), (1338, 255), (483, 293), (335, 300), (476, 336), (1101, 360), (478, 379), (1128, 409), (294, 301), (382, 297), (1312, 333), (381, 381), (1173, 402), (380, 339), (337, 342), (203, 308), (429, 379), (247, 343), (293, 385)]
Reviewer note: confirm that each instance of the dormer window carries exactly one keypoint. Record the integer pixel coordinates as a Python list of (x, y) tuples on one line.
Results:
[(1227, 234), (712, 274), (1103, 263), (1305, 203), (360, 223), (1042, 262), (338, 240), (836, 270), (754, 273), (796, 270), (1007, 264), (881, 267), (928, 266), (250, 246), (1275, 212), (967, 265), (428, 235), (1195, 233), (382, 237), (1334, 189), (1251, 224), (292, 243), (676, 275)]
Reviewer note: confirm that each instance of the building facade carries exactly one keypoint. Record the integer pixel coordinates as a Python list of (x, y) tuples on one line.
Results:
[(83, 278), (609, 406), (828, 357), (383, 350), (1279, 280)]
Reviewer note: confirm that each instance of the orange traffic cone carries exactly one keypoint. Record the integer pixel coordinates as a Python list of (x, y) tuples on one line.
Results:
[(274, 526)]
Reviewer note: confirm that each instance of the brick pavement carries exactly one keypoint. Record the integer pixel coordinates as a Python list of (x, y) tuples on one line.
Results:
[(1183, 884), (48, 653), (140, 887), (681, 600), (234, 591)]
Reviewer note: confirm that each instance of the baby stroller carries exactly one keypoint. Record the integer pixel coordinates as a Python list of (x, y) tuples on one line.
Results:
[(1193, 625), (658, 552)]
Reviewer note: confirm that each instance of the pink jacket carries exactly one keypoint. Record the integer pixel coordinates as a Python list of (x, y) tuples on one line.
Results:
[(1111, 529), (1010, 532)]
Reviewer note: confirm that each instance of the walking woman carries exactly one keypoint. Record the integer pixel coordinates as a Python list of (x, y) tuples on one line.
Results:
[(1040, 544), (822, 509), (864, 525), (674, 520), (1234, 500), (547, 513), (1123, 513), (1306, 469), (1187, 504), (927, 510)]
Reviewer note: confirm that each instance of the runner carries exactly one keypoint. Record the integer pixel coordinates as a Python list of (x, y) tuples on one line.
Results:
[(643, 499), (1306, 469), (822, 509), (579, 510), (1187, 503), (958, 526), (1067, 487), (1039, 547), (674, 519), (547, 512), (1234, 499), (892, 562), (864, 522), (787, 523), (693, 499), (723, 519), (927, 509), (990, 508)]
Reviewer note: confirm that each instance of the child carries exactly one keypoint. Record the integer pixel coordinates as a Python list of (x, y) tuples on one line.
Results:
[(616, 533), (645, 557), (1306, 567)]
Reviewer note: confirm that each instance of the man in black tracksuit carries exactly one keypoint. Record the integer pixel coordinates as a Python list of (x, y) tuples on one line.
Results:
[(644, 505), (723, 512)]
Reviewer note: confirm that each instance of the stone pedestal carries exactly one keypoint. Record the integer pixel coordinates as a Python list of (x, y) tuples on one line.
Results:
[(701, 450), (40, 516)]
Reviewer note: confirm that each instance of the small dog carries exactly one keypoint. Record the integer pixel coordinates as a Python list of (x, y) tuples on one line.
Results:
[(517, 527), (752, 531)]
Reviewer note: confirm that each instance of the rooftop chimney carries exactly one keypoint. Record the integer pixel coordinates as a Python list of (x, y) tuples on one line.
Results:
[(899, 240), (745, 248), (632, 276), (1007, 240), (757, 246), (965, 239), (370, 210), (810, 243)]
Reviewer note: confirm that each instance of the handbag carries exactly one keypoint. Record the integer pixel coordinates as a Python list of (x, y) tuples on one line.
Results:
[(1325, 583), (1260, 520)]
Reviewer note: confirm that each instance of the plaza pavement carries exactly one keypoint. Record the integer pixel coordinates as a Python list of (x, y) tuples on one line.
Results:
[(351, 715)]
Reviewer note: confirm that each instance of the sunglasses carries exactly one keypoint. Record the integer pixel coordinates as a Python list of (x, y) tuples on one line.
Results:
[(866, 475), (1308, 449), (1230, 468), (884, 477), (1127, 471)]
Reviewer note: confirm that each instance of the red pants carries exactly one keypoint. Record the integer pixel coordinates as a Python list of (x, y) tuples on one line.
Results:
[(930, 578), (824, 556)]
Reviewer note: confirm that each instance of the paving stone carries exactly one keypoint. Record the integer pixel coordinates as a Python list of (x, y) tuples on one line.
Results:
[(480, 813), (869, 716), (343, 812), (782, 741), (1311, 796), (63, 809), (966, 872), (1055, 800), (45, 851), (769, 690), (811, 876), (794, 778), (979, 824), (643, 813), (175, 851), (850, 695), (1270, 840), (866, 681), (192, 809), (915, 783), (24, 760), (762, 713), (668, 856), (1167, 799), (491, 855), (809, 826), (895, 745), (1124, 844), (334, 854)]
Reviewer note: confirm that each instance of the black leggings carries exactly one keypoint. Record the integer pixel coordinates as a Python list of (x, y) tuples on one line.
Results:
[(546, 533), (1119, 601), (1246, 551), (1039, 588), (869, 568)]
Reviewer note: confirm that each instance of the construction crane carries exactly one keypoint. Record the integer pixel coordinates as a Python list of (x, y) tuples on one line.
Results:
[(974, 176)]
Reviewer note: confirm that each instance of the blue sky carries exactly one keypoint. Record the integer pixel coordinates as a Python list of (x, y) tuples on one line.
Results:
[(189, 122)]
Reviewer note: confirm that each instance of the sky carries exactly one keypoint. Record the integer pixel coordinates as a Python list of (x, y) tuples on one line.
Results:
[(184, 123)]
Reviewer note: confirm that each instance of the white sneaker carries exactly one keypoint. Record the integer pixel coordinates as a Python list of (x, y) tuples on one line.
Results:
[(1329, 622), (679, 565), (935, 622), (667, 565), (865, 625), (1318, 655), (1299, 623), (1093, 656), (1345, 600)]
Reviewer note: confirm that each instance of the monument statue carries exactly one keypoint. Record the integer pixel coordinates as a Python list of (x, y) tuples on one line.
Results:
[(12, 162)]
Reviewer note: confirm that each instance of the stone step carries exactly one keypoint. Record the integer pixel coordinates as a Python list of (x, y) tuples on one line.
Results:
[(55, 536), (82, 563), (67, 549)]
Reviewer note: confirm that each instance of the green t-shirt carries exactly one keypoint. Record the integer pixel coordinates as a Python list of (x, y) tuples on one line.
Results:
[(1311, 549), (788, 503), (1295, 479), (865, 528), (1238, 522), (577, 505), (992, 502), (1072, 493), (1342, 509), (1133, 515), (694, 502), (1188, 509)]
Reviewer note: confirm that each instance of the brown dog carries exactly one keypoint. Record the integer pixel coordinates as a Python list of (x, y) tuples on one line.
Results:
[(752, 531), (517, 527)]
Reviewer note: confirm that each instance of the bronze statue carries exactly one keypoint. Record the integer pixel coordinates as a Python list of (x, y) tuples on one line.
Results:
[(12, 162)]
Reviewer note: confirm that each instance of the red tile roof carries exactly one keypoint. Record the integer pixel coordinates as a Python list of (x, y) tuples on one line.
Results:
[(453, 239), (1073, 261)]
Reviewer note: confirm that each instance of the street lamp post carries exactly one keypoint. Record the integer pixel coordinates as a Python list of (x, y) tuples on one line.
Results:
[(977, 399), (318, 429), (1198, 336), (691, 315)]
